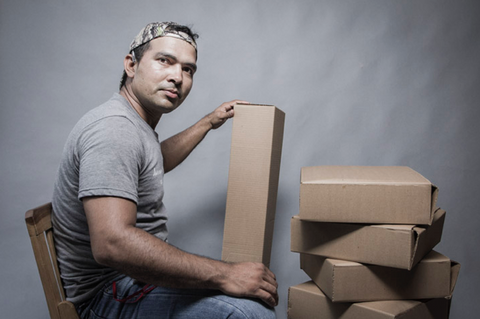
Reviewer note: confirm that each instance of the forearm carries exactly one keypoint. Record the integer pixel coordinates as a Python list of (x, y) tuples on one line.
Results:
[(151, 260), (176, 148)]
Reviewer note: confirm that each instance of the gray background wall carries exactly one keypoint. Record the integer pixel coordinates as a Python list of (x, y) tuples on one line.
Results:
[(362, 83)]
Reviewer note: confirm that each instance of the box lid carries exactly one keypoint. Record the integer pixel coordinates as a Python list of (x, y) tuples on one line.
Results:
[(378, 175), (366, 194)]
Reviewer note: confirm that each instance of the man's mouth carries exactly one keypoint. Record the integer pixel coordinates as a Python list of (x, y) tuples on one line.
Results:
[(171, 93)]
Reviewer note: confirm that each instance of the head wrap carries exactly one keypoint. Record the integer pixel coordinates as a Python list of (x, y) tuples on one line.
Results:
[(160, 29)]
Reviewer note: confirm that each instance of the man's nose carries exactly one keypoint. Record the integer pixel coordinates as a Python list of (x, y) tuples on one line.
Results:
[(175, 74)]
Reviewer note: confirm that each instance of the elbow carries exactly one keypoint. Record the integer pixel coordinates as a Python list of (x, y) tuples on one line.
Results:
[(167, 166), (103, 258), (105, 253)]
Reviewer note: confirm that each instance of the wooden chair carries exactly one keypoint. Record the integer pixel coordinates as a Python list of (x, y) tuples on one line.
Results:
[(40, 230)]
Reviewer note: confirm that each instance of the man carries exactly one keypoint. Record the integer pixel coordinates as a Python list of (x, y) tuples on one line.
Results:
[(109, 219)]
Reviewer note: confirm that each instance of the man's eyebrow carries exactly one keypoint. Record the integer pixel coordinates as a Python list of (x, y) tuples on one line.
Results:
[(166, 55), (174, 58)]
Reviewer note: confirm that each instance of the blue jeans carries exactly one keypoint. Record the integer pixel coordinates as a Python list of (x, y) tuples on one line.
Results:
[(171, 303)]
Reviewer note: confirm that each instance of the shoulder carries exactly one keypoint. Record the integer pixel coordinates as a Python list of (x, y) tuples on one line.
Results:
[(102, 130), (114, 119), (115, 108)]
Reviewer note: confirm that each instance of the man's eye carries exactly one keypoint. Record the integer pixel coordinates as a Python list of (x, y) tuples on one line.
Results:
[(163, 60), (188, 70)]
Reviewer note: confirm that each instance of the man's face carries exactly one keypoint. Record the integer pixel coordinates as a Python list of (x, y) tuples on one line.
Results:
[(164, 76)]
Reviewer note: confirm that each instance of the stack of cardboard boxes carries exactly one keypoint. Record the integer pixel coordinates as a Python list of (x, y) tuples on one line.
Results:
[(365, 237)]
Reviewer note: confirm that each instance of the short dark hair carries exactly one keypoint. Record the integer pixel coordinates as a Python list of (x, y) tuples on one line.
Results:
[(140, 51)]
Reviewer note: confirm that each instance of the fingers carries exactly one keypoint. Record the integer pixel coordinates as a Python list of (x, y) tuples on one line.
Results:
[(270, 285), (223, 113), (271, 274), (267, 287), (252, 280), (231, 105), (271, 282), (268, 298), (270, 294), (226, 113), (239, 102)]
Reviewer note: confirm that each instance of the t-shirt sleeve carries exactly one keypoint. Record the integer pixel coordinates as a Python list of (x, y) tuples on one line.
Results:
[(109, 154)]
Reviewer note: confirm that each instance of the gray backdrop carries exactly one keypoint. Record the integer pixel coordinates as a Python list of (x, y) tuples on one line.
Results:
[(361, 82)]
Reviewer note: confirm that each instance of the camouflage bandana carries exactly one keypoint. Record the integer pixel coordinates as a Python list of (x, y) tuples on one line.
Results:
[(160, 29)]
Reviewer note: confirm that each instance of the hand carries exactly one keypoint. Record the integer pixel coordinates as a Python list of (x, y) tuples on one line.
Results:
[(223, 113), (252, 280)]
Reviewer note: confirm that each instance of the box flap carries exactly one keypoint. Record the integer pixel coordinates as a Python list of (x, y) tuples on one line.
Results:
[(434, 199), (435, 257), (426, 240), (395, 308), (454, 275), (407, 228)]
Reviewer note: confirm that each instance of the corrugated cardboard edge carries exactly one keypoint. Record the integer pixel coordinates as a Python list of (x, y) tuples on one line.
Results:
[(455, 271), (257, 104), (322, 265), (426, 240), (434, 202), (275, 161)]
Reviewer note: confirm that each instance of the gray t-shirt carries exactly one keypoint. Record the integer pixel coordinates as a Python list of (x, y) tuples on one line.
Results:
[(111, 151)]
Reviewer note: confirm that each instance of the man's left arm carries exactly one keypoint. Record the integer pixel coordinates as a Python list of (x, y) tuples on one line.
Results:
[(176, 148)]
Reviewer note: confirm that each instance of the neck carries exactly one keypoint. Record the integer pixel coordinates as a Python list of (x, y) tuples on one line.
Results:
[(126, 92)]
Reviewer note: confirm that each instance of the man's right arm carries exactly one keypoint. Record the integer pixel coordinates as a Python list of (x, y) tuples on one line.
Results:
[(118, 243)]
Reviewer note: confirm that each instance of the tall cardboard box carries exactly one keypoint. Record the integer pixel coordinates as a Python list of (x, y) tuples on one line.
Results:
[(347, 281), (366, 194), (398, 246), (257, 137), (307, 301)]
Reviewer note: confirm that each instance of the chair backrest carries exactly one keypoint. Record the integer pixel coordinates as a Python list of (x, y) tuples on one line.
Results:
[(40, 230)]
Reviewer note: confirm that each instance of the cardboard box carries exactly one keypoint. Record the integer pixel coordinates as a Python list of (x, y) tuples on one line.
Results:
[(398, 246), (433, 277), (366, 194), (257, 137), (306, 301)]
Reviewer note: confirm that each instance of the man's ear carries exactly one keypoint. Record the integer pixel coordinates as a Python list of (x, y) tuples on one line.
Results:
[(129, 65)]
